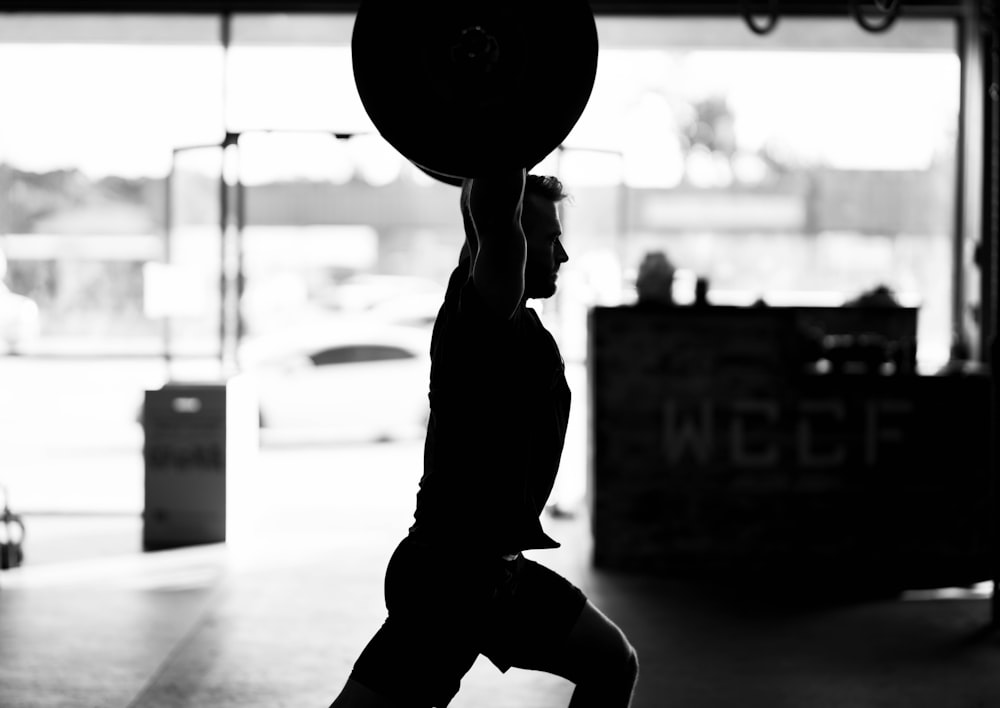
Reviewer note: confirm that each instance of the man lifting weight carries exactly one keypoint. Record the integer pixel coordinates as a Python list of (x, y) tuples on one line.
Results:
[(459, 584)]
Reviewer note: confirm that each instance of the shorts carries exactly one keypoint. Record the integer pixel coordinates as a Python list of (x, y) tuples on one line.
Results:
[(446, 607)]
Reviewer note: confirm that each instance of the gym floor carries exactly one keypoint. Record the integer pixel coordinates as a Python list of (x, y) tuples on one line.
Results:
[(276, 616)]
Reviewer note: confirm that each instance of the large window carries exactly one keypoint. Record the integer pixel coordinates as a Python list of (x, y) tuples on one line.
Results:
[(92, 109), (805, 167), (92, 112)]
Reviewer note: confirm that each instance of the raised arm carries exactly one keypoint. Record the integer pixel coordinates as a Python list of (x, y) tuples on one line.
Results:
[(491, 209)]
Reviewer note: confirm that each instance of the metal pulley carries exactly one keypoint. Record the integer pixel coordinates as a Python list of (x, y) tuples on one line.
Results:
[(466, 87)]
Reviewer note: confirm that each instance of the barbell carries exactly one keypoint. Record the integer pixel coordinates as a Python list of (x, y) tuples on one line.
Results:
[(466, 87)]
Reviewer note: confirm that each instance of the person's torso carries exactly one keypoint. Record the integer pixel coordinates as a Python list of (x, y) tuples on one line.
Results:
[(499, 409)]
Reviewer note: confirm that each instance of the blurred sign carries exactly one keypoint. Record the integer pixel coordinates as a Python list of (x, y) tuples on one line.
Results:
[(707, 211), (806, 432), (715, 453)]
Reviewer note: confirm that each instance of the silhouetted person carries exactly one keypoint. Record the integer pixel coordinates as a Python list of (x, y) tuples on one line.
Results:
[(459, 585), (701, 292), (878, 296), (654, 283)]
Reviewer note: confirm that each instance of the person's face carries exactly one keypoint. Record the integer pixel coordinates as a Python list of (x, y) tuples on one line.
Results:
[(542, 232)]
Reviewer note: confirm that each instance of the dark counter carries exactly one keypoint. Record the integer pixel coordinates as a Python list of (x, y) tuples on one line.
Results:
[(718, 452)]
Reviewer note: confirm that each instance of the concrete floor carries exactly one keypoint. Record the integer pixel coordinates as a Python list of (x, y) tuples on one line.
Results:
[(276, 616)]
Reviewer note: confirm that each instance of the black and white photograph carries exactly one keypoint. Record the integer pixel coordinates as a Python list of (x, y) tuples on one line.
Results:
[(499, 354)]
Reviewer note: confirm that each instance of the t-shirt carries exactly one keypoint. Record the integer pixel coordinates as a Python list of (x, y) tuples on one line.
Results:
[(499, 405)]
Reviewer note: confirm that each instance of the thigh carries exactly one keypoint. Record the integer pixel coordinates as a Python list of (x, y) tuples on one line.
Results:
[(430, 638), (533, 617), (594, 646), (415, 665), (550, 625)]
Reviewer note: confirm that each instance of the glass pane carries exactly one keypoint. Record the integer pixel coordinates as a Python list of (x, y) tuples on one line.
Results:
[(341, 234), (89, 122), (293, 73), (86, 136), (806, 167), (190, 288)]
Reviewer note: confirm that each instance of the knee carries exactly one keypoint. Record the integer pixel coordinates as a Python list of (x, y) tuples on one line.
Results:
[(631, 664), (623, 667), (617, 685)]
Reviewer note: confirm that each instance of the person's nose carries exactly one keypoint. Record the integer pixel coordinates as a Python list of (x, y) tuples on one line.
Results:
[(561, 255)]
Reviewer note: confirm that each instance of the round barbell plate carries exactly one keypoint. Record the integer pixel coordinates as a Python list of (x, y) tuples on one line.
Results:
[(455, 119), (452, 180)]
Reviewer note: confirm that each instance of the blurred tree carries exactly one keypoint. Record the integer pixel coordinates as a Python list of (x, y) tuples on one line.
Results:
[(711, 124)]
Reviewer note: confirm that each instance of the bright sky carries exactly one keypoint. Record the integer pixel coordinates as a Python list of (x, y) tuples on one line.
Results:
[(121, 109)]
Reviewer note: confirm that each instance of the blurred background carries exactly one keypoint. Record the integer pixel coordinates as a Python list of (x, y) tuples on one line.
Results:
[(183, 199)]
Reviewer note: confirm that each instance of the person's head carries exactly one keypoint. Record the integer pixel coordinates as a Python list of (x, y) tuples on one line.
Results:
[(542, 233)]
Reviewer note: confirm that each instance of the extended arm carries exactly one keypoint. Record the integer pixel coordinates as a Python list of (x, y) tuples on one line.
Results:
[(491, 210)]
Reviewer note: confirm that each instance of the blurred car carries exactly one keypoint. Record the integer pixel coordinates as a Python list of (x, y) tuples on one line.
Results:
[(19, 320), (363, 291), (350, 379), (417, 310)]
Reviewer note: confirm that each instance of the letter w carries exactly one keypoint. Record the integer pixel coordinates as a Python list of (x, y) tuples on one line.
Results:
[(687, 432)]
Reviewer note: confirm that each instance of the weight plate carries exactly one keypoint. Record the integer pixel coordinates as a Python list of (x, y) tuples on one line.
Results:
[(464, 87)]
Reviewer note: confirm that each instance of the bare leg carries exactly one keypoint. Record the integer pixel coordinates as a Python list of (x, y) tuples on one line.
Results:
[(607, 663), (599, 659), (356, 695)]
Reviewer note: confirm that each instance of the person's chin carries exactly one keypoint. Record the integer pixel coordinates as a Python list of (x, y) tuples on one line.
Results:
[(540, 289), (544, 293)]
